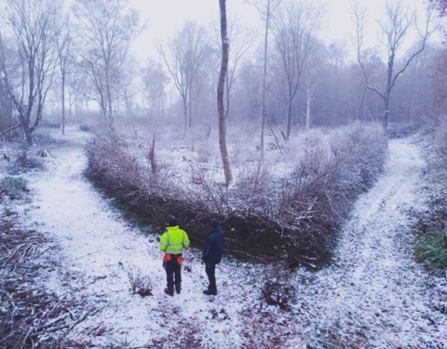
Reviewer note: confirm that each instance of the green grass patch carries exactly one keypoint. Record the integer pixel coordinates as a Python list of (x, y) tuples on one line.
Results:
[(13, 187), (16, 183), (432, 250)]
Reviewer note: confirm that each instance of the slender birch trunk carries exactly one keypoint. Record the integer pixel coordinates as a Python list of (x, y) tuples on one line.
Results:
[(63, 104), (264, 113), (220, 93)]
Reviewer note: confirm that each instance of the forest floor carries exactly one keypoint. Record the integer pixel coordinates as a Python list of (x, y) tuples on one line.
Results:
[(374, 295)]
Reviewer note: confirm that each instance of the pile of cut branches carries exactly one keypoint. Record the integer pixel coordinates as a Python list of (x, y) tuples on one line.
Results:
[(294, 219), (30, 315)]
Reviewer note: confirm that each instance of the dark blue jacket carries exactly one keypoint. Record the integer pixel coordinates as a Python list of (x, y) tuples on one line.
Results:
[(214, 246)]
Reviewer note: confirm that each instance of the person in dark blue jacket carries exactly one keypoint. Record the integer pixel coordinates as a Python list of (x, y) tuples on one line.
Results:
[(212, 254)]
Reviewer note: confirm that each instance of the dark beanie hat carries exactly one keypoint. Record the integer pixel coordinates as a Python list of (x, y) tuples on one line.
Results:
[(214, 223), (172, 221)]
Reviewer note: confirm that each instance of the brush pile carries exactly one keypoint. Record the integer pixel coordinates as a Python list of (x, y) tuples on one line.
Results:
[(264, 217)]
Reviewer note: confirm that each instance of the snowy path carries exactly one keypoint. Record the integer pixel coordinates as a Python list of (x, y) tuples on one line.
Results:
[(375, 286), (373, 294), (95, 250)]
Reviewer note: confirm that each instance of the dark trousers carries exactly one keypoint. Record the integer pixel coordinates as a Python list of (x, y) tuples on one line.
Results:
[(173, 273), (210, 271)]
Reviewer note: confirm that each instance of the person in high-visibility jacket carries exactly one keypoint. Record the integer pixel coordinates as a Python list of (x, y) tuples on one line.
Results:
[(172, 243)]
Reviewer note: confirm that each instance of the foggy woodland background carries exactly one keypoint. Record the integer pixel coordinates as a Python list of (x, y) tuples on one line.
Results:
[(73, 62), (307, 122)]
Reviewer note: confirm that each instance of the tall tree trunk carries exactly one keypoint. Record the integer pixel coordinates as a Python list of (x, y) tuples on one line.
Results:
[(162, 106), (161, 89), (185, 112), (264, 113), (190, 107), (70, 107), (337, 96), (308, 102), (220, 93), (386, 98), (87, 107), (289, 117), (108, 113), (410, 102), (63, 104), (227, 90), (386, 114), (26, 130), (362, 106)]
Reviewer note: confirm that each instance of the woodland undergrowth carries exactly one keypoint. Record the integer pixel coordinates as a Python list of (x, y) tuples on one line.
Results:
[(267, 215), (431, 227)]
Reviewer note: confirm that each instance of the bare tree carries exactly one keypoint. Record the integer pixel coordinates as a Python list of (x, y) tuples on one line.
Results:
[(439, 82), (64, 55), (155, 80), (415, 91), (265, 9), (399, 20), (8, 121), (127, 85), (220, 92), (107, 29), (313, 74), (293, 27), (187, 51), (240, 40), (358, 16), (337, 55), (203, 87), (78, 85), (34, 25), (6, 116), (248, 90)]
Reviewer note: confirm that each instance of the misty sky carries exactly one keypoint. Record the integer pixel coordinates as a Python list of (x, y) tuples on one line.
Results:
[(167, 16)]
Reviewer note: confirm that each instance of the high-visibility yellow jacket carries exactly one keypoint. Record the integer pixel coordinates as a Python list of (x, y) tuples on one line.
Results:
[(173, 240)]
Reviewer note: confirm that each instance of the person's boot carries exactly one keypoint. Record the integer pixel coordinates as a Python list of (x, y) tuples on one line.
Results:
[(177, 288), (169, 291), (210, 292)]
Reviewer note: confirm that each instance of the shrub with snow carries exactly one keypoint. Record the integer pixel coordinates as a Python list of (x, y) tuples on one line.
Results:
[(277, 289), (139, 283)]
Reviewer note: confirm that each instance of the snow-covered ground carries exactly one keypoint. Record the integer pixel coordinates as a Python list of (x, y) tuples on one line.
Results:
[(375, 289), (373, 296)]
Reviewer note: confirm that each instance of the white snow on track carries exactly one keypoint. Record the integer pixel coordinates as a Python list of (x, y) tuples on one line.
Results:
[(373, 294), (95, 250), (375, 285)]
